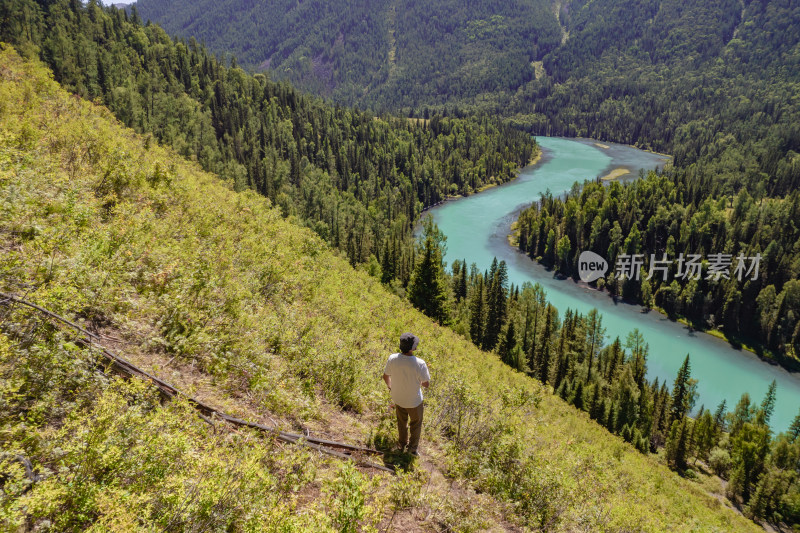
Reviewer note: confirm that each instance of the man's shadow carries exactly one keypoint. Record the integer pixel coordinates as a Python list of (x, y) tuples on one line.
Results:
[(386, 442)]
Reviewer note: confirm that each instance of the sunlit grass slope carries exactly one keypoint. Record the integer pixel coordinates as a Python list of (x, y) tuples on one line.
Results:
[(104, 227)]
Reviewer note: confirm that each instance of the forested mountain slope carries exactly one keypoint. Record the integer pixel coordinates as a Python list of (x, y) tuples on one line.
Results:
[(759, 308), (704, 81), (710, 82), (383, 52), (597, 45), (214, 290)]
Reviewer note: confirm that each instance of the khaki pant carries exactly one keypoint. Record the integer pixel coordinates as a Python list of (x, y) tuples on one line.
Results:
[(403, 416)]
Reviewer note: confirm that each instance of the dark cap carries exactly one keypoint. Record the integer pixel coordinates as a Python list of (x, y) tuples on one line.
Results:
[(408, 342)]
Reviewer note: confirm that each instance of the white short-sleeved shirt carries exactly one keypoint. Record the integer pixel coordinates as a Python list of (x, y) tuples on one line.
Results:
[(407, 372)]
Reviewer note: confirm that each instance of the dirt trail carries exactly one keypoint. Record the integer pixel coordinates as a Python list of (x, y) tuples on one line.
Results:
[(392, 55), (441, 498)]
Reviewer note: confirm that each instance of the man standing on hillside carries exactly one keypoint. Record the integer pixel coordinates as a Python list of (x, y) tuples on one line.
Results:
[(405, 374)]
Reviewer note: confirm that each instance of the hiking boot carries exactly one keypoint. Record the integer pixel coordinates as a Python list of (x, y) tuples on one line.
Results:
[(415, 453), (400, 448)]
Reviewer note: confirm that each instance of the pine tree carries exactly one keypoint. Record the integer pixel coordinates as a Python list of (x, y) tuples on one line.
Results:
[(683, 392), (577, 399), (749, 449), (602, 411), (615, 358), (664, 401), (387, 265), (794, 429), (496, 285), (719, 416), (461, 288), (544, 352), (550, 248), (705, 434), (595, 332), (564, 390), (526, 326), (675, 448), (627, 402), (596, 406), (741, 415), (563, 248), (456, 266), (641, 442), (645, 411), (427, 289), (768, 405), (563, 357), (477, 312), (635, 343), (647, 294), (507, 345), (611, 417)]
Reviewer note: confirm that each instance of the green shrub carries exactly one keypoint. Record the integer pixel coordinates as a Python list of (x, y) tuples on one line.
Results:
[(720, 461), (350, 511)]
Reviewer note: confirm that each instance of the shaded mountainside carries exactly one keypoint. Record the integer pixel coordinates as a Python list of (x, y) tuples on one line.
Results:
[(213, 290), (709, 82), (389, 53)]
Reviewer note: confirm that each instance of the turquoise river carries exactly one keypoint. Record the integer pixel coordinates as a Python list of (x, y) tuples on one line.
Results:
[(477, 227)]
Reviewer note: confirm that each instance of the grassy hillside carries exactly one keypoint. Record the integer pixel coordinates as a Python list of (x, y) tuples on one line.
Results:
[(214, 291)]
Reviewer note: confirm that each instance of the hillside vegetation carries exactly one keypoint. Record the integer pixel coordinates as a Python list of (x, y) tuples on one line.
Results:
[(359, 180), (214, 290)]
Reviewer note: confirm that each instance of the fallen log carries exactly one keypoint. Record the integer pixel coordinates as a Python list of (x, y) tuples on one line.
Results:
[(124, 367)]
